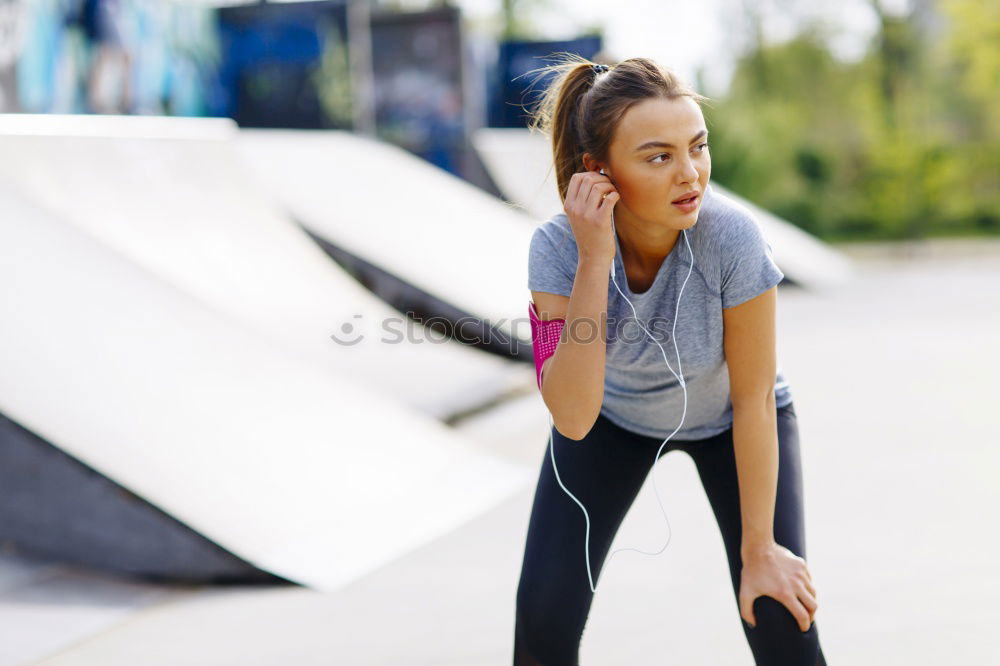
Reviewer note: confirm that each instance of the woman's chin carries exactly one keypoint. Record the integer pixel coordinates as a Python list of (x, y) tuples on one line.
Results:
[(687, 220)]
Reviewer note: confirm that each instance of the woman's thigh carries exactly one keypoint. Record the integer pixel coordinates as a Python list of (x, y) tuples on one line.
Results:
[(776, 638), (605, 471)]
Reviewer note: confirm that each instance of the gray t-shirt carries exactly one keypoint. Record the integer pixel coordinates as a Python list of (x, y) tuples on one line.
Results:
[(732, 264)]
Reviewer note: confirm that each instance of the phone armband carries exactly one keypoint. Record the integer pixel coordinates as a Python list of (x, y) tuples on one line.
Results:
[(544, 339)]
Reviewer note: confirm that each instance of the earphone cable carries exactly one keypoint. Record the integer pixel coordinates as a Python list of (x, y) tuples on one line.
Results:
[(680, 379)]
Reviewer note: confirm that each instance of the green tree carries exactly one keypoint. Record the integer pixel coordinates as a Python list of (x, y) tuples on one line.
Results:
[(903, 143)]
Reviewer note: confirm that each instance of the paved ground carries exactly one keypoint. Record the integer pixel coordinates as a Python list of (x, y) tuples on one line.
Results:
[(895, 384)]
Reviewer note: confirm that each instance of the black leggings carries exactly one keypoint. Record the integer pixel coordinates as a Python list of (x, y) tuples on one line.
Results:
[(605, 470)]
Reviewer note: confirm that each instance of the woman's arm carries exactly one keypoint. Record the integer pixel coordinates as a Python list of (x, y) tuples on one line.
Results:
[(573, 377), (768, 567), (749, 346)]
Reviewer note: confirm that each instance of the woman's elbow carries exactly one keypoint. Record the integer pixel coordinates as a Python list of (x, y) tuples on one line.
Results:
[(573, 417), (570, 433), (575, 430)]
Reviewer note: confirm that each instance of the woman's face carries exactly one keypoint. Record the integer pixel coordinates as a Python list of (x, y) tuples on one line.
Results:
[(658, 155)]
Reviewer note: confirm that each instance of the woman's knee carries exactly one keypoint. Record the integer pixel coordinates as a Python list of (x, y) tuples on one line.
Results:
[(777, 639)]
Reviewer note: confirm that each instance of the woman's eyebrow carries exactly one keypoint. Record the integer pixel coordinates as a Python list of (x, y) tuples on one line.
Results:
[(660, 144)]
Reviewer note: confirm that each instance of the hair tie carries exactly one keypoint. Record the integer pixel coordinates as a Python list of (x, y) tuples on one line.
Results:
[(599, 68)]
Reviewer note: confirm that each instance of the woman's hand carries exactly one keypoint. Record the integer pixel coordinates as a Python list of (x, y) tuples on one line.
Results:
[(777, 572), (590, 197)]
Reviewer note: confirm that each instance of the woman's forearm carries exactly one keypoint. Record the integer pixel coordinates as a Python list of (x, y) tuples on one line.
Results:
[(573, 377), (755, 443)]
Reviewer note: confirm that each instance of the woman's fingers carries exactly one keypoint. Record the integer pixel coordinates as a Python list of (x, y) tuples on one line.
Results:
[(589, 216), (609, 200), (805, 568), (597, 192), (808, 600), (585, 191), (574, 186), (807, 582), (800, 612)]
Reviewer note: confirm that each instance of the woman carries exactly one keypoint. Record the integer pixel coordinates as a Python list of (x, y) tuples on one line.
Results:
[(642, 229)]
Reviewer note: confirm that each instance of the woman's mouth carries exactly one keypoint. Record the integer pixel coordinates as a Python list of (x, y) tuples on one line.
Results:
[(687, 203)]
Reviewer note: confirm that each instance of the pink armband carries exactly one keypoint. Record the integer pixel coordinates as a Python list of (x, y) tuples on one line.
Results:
[(544, 339)]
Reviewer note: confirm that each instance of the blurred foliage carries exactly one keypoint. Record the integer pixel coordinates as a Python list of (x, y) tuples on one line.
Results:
[(332, 78), (904, 143)]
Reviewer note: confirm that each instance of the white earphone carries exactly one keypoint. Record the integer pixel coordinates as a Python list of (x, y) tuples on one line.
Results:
[(680, 378)]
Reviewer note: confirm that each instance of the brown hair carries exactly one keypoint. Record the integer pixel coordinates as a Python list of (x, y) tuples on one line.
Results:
[(582, 107)]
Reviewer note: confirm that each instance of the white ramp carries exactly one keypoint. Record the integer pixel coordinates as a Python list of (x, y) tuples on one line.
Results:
[(397, 211), (172, 195), (272, 456), (520, 162)]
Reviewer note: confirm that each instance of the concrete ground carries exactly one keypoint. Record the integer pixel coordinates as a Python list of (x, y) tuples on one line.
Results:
[(894, 378)]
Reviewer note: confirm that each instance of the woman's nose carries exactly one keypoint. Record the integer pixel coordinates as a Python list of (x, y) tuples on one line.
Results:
[(687, 173)]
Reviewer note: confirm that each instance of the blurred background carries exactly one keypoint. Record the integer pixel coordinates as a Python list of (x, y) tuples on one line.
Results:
[(210, 211), (857, 120)]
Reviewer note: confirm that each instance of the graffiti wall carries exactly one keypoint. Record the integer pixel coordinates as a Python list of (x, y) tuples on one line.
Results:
[(107, 56)]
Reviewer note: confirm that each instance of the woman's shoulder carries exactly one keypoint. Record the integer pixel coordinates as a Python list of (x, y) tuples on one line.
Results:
[(556, 224), (552, 257), (555, 235), (726, 220), (720, 234)]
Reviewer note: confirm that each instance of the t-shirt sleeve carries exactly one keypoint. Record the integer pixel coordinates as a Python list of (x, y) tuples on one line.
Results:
[(748, 267), (548, 261)]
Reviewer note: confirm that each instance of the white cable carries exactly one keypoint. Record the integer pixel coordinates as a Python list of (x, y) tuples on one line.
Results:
[(586, 543)]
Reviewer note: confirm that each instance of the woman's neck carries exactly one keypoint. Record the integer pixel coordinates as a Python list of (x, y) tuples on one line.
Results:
[(644, 246)]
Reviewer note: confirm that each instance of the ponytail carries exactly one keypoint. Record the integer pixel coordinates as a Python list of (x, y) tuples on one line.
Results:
[(558, 115)]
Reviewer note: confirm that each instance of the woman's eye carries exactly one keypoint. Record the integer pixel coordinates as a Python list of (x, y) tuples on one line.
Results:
[(699, 148)]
